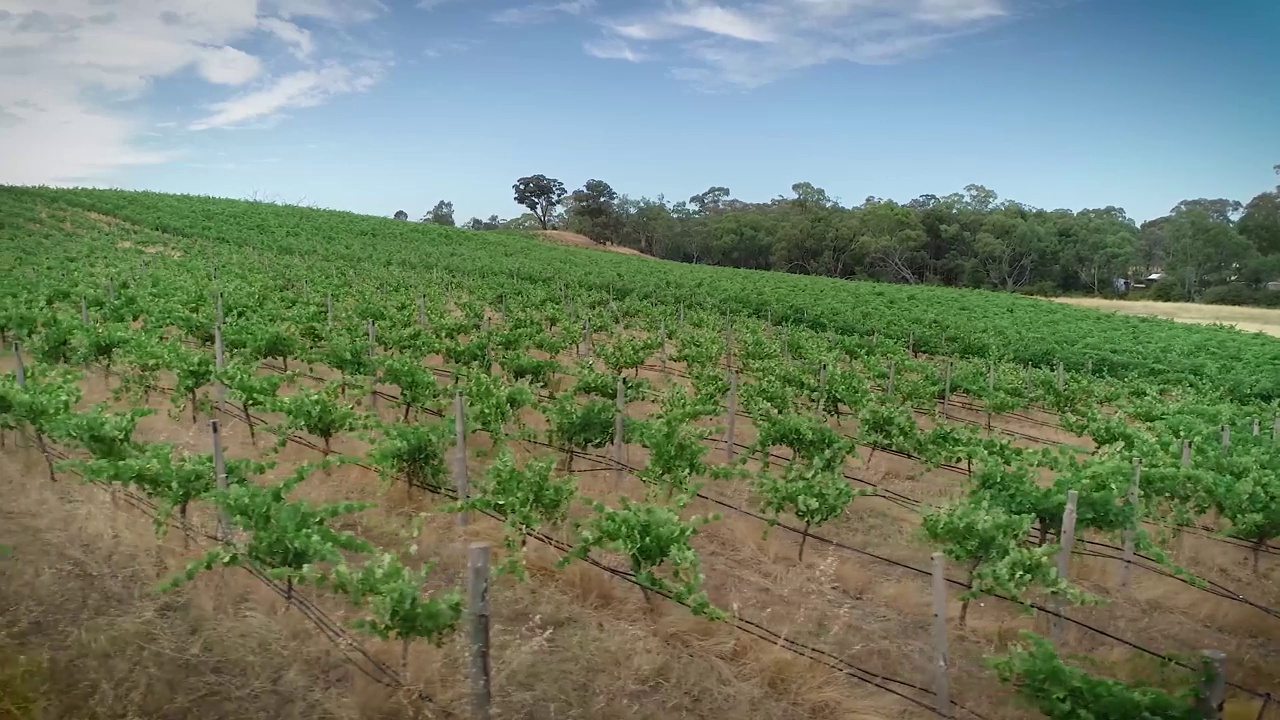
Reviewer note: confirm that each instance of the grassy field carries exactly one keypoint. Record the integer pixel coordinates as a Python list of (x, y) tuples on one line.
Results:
[(93, 640), (1264, 320)]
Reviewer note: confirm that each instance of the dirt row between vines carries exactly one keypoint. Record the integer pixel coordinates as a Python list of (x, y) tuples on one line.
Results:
[(575, 642)]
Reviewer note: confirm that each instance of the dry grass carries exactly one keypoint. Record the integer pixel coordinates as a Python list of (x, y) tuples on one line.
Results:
[(564, 237), (571, 643), (85, 636), (1249, 319)]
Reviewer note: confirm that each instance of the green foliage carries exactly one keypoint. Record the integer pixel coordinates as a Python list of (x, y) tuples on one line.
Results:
[(653, 538), (813, 489), (419, 452), (990, 539), (527, 498), (318, 412), (677, 446), (493, 403), (1063, 692), (284, 536), (580, 427), (392, 596)]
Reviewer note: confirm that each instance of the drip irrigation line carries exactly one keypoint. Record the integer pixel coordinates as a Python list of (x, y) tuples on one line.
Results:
[(901, 501), (329, 628), (1206, 532), (1041, 608)]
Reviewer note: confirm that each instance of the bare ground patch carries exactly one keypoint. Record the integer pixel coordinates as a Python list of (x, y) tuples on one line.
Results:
[(1249, 319)]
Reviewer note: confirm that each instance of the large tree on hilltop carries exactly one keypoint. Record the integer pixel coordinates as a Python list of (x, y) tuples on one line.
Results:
[(441, 214), (540, 194), (593, 211)]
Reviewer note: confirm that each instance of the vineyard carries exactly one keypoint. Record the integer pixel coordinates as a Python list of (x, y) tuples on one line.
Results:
[(514, 479)]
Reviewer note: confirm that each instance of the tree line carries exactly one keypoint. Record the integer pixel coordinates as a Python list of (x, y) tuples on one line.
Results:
[(1211, 250)]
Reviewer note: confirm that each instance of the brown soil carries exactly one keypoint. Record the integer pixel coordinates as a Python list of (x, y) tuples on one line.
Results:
[(574, 642), (564, 237)]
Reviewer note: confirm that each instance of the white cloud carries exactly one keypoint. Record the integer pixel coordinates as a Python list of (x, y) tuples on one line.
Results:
[(73, 73), (336, 11), (716, 20), (303, 89), (441, 48), (612, 49), (719, 44), (228, 66), (541, 12), (297, 38)]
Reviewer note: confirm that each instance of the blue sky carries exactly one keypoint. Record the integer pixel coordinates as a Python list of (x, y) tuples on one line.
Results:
[(377, 105)]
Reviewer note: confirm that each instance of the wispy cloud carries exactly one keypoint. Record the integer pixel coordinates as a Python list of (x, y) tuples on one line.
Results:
[(725, 44), (613, 49), (717, 20), (228, 66), (297, 38), (440, 48), (334, 11), (541, 12), (75, 74), (303, 89)]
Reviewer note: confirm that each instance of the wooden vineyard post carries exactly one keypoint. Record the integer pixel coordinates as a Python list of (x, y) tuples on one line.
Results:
[(84, 320), (1275, 428), (220, 478), (1067, 537), (111, 291), (1026, 383), (478, 614), (991, 391), (373, 385), (888, 388), (460, 457), (620, 409), (731, 415), (219, 362), (328, 306), (940, 690), (1062, 376), (586, 337), (911, 343), (728, 343), (786, 343), (218, 311), (822, 387), (422, 311), (662, 347), (1213, 685), (946, 390), (1130, 533), (1226, 439), (1186, 463), (21, 373), (1257, 427)]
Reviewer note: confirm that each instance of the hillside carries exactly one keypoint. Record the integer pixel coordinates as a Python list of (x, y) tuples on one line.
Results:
[(706, 492), (941, 320), (573, 239)]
